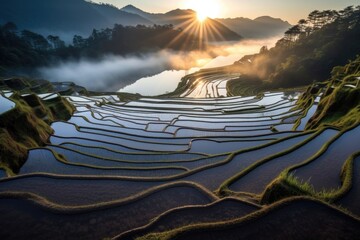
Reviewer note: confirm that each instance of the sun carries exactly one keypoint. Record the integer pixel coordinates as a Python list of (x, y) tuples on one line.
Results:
[(204, 8), (201, 16)]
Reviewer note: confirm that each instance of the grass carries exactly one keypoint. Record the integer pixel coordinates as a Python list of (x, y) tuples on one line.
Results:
[(35, 114), (173, 218), (293, 204), (339, 107), (246, 86), (27, 126), (63, 209), (62, 159), (288, 185), (224, 187)]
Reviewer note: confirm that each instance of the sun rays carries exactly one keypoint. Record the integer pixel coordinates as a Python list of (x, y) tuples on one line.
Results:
[(197, 30)]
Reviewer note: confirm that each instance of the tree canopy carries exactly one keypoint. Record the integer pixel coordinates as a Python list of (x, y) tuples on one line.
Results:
[(25, 48), (309, 50)]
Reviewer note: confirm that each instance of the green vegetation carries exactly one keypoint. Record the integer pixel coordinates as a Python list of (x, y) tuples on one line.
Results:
[(124, 97), (287, 185), (113, 153), (29, 49), (340, 103), (28, 126), (307, 215), (224, 188), (25, 85), (64, 209), (246, 86), (340, 98), (307, 53), (279, 194)]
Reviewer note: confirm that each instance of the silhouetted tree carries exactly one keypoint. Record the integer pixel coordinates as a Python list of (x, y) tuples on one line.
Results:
[(347, 12), (293, 33), (10, 27), (79, 41), (35, 40), (56, 42)]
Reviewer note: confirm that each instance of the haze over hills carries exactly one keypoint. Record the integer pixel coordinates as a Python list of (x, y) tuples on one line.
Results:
[(187, 20), (261, 27), (63, 16)]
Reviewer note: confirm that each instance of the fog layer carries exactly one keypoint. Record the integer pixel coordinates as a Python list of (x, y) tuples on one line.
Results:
[(112, 73)]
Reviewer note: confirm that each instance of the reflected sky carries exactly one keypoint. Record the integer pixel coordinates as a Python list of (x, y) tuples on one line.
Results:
[(167, 81)]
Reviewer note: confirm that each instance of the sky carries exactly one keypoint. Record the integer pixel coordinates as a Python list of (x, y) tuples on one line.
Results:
[(290, 10)]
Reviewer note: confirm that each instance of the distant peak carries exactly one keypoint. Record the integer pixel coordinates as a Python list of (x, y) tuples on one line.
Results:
[(265, 17), (131, 7), (180, 11), (268, 18)]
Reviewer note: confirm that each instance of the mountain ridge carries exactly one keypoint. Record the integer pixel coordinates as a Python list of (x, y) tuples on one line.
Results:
[(260, 27), (257, 28), (56, 17), (186, 19)]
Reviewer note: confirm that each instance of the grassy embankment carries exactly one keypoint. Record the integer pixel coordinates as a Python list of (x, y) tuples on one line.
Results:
[(27, 126), (339, 107)]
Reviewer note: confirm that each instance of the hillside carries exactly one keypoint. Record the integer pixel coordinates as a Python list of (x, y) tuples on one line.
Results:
[(261, 27), (61, 17), (23, 50), (340, 103), (213, 30), (308, 51)]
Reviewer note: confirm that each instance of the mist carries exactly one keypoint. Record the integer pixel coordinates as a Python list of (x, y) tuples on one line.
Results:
[(107, 73), (111, 73)]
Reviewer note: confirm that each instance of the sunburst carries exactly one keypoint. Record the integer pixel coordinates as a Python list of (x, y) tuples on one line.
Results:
[(198, 23), (204, 8)]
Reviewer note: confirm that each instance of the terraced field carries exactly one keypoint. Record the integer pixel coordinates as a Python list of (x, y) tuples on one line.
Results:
[(196, 166)]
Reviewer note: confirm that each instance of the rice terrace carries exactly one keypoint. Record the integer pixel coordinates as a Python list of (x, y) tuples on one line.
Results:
[(264, 148)]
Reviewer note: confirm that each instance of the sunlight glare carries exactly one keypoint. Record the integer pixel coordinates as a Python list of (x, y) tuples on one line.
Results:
[(201, 16), (204, 8)]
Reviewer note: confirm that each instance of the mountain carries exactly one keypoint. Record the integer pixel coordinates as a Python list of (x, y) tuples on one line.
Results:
[(210, 29), (134, 10), (115, 15), (261, 27), (65, 16)]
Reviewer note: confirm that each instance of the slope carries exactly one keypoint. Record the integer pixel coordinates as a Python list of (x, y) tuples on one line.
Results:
[(56, 17)]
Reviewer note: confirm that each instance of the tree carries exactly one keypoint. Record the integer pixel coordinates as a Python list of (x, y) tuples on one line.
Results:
[(264, 49), (35, 40), (56, 42), (9, 27), (293, 33), (347, 12), (79, 41)]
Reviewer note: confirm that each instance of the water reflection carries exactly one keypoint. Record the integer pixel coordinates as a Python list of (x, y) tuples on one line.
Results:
[(164, 82), (167, 81)]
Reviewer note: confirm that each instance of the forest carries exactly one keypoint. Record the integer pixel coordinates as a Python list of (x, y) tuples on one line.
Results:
[(20, 49), (307, 52)]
